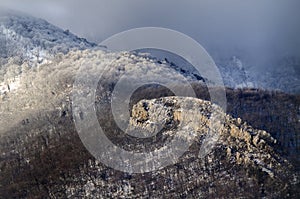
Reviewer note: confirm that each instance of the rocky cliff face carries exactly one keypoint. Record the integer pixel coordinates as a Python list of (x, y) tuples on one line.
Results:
[(275, 112), (47, 158)]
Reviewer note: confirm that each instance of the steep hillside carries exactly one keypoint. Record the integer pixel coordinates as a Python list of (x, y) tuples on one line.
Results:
[(42, 155)]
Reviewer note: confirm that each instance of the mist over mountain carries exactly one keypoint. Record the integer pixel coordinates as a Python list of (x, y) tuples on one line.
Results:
[(42, 155), (260, 33), (237, 73)]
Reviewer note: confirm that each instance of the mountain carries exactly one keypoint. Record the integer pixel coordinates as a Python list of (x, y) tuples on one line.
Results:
[(237, 73), (34, 39), (43, 155)]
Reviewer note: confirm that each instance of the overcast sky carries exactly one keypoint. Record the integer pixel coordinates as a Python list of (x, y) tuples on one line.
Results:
[(257, 27)]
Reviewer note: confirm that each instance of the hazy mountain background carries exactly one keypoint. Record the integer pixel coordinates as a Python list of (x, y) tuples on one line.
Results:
[(263, 35)]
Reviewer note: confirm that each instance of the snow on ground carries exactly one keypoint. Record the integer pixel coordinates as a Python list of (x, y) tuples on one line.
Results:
[(33, 39)]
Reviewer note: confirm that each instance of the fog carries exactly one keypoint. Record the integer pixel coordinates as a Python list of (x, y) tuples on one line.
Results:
[(257, 30)]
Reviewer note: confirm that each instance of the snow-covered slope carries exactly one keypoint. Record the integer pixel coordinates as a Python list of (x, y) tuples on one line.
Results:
[(40, 89), (236, 73), (39, 134), (285, 76), (34, 39), (174, 61), (233, 73)]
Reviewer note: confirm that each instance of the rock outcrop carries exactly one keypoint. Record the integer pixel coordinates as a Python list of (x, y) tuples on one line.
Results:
[(47, 158)]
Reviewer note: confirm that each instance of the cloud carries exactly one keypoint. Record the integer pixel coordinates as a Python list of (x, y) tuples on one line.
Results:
[(261, 29)]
